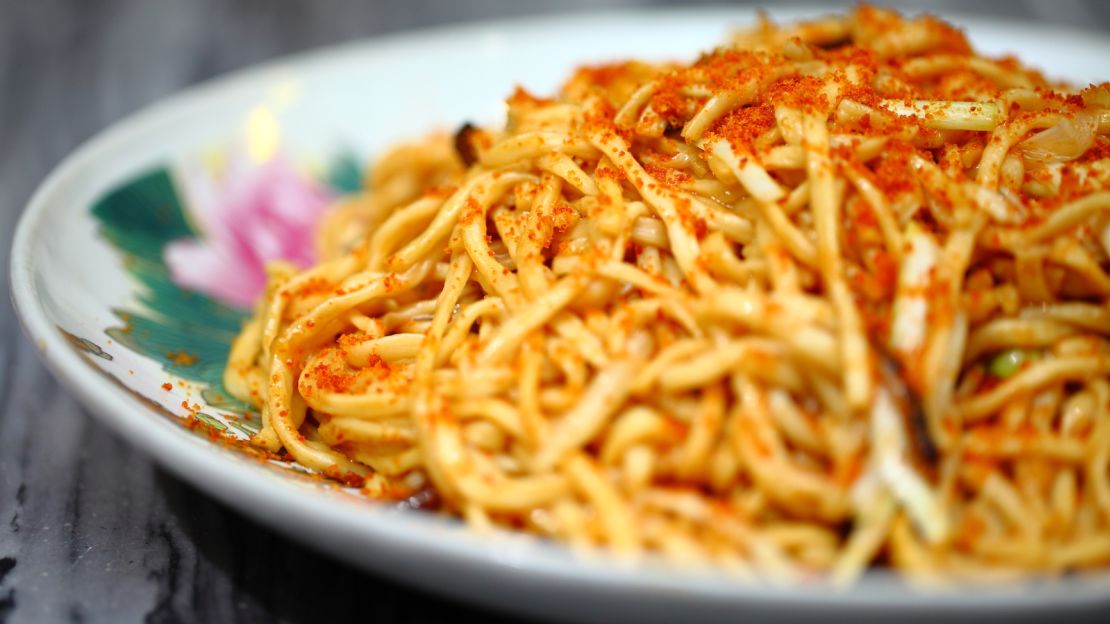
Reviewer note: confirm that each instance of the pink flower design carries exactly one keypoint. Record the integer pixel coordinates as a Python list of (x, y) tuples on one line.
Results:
[(254, 215)]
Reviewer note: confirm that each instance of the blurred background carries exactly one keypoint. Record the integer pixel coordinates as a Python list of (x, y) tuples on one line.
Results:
[(91, 530)]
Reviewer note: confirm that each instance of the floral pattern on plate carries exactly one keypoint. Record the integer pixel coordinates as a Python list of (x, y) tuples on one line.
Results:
[(195, 239)]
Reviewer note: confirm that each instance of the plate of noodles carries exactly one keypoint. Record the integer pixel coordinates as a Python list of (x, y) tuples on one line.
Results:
[(778, 317)]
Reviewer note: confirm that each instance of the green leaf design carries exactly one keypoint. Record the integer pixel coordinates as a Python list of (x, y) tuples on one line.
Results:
[(85, 345), (140, 217), (187, 332), (345, 173), (211, 421)]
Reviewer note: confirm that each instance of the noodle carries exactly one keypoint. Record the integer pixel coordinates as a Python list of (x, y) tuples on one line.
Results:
[(833, 296)]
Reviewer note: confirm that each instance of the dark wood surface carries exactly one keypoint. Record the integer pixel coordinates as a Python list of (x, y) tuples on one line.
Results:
[(90, 528)]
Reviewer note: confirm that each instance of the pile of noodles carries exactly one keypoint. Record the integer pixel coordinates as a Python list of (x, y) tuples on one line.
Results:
[(832, 296)]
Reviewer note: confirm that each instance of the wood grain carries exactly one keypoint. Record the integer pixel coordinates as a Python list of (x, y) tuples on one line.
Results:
[(90, 529)]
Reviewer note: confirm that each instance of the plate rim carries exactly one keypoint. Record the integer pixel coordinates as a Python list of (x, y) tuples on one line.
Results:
[(253, 491)]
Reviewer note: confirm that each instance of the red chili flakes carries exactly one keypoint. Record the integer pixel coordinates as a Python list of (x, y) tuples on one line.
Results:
[(351, 340), (886, 271), (440, 191), (181, 358), (742, 126), (894, 175), (667, 175), (1100, 150), (604, 75), (563, 216), (851, 54), (328, 379), (970, 528), (472, 210), (522, 97), (730, 68), (601, 116), (167, 386), (693, 224), (669, 102), (349, 479), (849, 471), (802, 92), (313, 286), (612, 173)]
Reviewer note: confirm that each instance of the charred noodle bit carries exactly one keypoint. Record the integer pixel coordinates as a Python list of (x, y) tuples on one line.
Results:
[(832, 296)]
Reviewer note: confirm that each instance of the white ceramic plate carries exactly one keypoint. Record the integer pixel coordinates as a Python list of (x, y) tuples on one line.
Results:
[(364, 96)]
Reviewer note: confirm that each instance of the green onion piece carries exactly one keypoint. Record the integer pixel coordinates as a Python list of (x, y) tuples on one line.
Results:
[(943, 115), (1010, 361)]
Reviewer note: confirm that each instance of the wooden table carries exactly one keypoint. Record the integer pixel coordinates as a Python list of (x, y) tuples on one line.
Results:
[(91, 529)]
